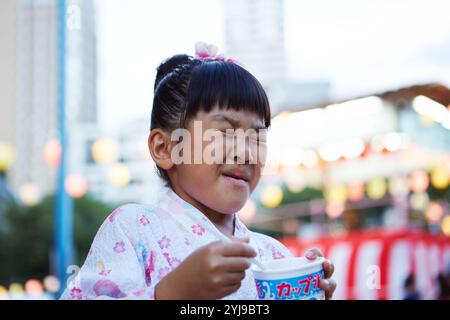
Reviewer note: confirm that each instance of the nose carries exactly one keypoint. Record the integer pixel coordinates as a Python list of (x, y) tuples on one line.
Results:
[(242, 151)]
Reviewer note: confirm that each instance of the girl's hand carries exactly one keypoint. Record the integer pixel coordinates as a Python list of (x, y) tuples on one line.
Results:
[(328, 284), (211, 272)]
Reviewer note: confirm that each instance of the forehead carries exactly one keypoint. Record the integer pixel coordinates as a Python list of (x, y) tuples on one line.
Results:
[(238, 118)]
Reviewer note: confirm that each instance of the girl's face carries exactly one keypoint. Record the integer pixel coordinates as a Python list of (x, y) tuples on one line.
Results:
[(231, 151)]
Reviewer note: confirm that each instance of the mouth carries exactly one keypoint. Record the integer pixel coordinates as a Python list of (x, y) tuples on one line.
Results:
[(237, 177)]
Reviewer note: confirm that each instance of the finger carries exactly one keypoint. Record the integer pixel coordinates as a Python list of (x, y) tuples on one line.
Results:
[(244, 239), (230, 289), (313, 253), (328, 268), (328, 286), (237, 249), (331, 287), (232, 279), (323, 284), (232, 264)]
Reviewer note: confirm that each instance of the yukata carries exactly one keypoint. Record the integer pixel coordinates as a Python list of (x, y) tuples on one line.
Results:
[(138, 245)]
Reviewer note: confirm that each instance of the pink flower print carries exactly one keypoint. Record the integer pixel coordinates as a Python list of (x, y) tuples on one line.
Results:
[(144, 221), (139, 293), (198, 229), (119, 247), (163, 272), (164, 242), (276, 254), (76, 293), (150, 267), (174, 262), (187, 242), (107, 288), (113, 215)]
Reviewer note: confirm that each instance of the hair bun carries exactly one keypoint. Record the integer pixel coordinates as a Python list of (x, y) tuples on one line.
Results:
[(169, 65)]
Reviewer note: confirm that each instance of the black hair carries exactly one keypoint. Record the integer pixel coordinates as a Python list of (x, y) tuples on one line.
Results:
[(185, 85)]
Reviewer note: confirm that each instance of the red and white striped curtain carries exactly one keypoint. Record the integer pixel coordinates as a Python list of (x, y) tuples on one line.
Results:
[(374, 264)]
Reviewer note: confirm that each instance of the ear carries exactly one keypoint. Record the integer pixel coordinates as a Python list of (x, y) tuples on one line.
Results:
[(159, 145)]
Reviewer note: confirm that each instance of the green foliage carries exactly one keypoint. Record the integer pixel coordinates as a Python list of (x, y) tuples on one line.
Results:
[(26, 244), (305, 195)]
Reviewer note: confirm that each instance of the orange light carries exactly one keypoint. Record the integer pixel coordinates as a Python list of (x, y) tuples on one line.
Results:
[(335, 209), (52, 153), (419, 181), (356, 191), (34, 288), (76, 185)]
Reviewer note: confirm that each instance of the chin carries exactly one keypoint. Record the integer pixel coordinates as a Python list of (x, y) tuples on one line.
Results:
[(231, 207)]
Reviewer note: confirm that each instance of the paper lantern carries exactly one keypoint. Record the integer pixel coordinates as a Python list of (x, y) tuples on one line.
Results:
[(440, 177), (15, 288), (419, 181), (105, 150), (52, 153), (337, 193), (6, 155), (310, 159), (271, 196), (76, 185), (29, 194), (3, 293), (445, 226), (419, 200), (355, 191), (398, 186), (334, 209), (376, 189), (34, 288), (293, 178), (434, 212), (247, 212), (51, 284), (120, 175)]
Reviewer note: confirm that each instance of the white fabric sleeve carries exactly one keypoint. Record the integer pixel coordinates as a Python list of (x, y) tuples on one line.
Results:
[(119, 265)]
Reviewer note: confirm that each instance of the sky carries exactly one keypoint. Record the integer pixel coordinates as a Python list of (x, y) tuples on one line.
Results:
[(360, 46)]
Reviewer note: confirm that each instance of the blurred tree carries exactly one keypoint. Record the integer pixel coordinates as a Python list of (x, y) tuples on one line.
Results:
[(26, 245), (304, 195)]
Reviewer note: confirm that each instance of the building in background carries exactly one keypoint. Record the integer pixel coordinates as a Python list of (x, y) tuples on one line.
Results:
[(255, 36), (29, 77), (28, 119)]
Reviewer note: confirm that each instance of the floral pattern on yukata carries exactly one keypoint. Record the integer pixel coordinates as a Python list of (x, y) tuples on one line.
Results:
[(138, 245)]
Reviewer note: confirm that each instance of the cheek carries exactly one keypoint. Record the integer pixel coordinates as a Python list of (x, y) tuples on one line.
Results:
[(256, 177), (197, 172)]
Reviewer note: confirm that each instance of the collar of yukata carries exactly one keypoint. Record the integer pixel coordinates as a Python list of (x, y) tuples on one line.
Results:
[(239, 228)]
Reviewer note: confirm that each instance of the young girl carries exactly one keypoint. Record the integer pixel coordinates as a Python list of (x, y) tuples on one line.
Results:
[(175, 248)]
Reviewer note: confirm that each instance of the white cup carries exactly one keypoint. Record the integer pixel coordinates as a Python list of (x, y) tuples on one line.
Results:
[(290, 279)]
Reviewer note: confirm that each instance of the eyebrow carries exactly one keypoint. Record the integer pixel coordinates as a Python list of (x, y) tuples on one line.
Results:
[(235, 123)]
